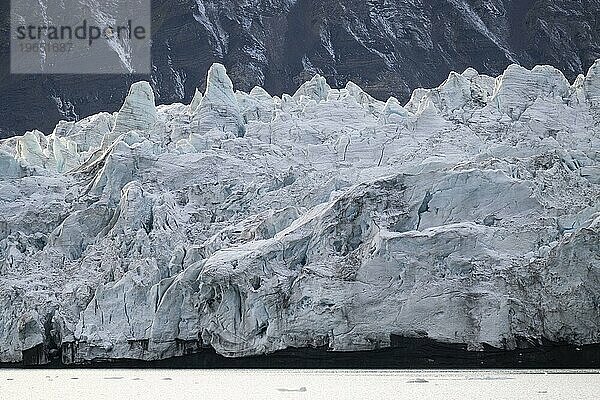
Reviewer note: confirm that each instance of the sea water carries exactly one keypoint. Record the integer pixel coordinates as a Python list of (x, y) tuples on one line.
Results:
[(163, 384)]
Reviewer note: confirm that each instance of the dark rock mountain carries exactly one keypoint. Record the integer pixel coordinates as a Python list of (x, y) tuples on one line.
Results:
[(388, 47)]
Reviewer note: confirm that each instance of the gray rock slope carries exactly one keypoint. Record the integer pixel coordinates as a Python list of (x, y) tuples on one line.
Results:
[(388, 47), (252, 223)]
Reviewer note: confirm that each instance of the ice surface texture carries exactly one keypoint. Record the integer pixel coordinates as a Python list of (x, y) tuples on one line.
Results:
[(253, 223)]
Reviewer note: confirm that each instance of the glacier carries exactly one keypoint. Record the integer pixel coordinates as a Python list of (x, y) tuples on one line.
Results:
[(250, 223)]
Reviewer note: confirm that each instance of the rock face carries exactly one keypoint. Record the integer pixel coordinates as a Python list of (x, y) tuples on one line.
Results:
[(251, 223), (388, 47)]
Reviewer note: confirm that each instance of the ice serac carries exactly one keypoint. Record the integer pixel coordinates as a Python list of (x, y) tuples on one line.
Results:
[(519, 87), (218, 108), (393, 112), (196, 100), (468, 215), (452, 95), (9, 166), (316, 89), (138, 113), (257, 105), (31, 148), (591, 85)]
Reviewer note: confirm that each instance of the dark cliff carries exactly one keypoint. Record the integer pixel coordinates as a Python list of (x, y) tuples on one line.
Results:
[(389, 47)]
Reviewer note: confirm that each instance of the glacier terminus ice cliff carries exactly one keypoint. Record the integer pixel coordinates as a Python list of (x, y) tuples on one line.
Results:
[(249, 223)]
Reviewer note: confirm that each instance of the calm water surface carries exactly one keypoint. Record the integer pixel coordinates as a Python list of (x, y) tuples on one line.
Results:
[(296, 384)]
